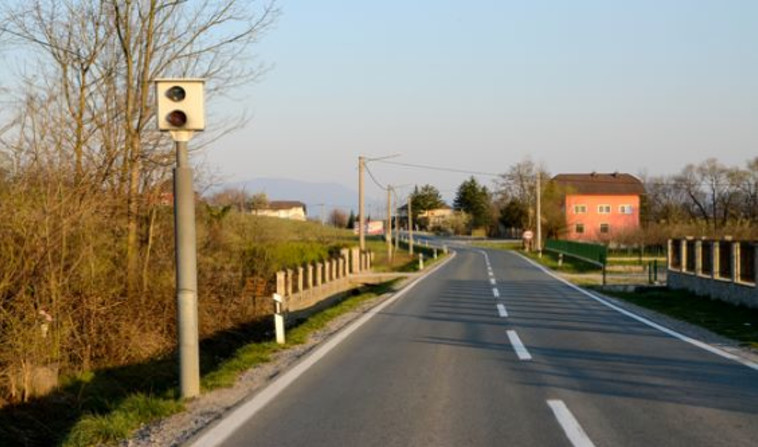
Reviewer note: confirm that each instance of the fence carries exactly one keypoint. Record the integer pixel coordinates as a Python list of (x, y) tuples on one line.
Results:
[(308, 285), (594, 253), (722, 269)]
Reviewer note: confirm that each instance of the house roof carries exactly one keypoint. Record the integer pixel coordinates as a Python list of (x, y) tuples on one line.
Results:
[(284, 205), (594, 183)]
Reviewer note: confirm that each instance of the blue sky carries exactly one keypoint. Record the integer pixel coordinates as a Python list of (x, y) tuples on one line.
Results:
[(634, 86)]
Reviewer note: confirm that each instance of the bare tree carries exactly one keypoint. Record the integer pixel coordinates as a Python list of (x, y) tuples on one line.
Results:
[(338, 218), (105, 54)]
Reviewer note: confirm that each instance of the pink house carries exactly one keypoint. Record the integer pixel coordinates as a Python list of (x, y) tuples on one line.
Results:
[(599, 206)]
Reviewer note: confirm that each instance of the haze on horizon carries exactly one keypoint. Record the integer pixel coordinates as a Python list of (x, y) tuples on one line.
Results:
[(645, 86)]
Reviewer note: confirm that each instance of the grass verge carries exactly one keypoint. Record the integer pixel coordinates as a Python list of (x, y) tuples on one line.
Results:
[(254, 354), (736, 322), (106, 406), (499, 245)]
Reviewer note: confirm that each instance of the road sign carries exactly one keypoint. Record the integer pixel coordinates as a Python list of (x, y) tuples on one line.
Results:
[(528, 235)]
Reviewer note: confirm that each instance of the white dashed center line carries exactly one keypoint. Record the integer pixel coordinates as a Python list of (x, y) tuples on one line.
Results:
[(570, 425), (496, 292), (492, 281), (519, 347), (501, 310)]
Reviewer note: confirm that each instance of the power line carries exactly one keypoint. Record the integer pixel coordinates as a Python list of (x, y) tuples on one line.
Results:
[(371, 174), (438, 168)]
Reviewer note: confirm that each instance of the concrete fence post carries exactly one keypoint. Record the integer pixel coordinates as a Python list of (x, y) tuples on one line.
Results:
[(288, 285), (716, 261), (683, 255), (280, 280), (698, 258), (300, 278), (309, 276), (355, 261), (319, 273), (755, 264), (669, 253), (735, 261), (421, 261), (327, 271)]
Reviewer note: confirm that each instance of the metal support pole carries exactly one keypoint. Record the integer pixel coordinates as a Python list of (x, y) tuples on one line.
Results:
[(186, 274), (361, 205)]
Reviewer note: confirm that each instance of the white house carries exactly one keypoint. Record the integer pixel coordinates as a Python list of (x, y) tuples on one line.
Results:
[(283, 209)]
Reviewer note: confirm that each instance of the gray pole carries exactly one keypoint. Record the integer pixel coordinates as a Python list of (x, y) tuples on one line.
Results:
[(539, 216), (397, 226), (361, 205), (410, 225), (389, 225), (186, 274)]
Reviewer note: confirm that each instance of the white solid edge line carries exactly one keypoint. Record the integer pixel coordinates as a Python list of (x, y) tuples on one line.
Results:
[(518, 346), (496, 292), (234, 420), (570, 425), (643, 320), (502, 311)]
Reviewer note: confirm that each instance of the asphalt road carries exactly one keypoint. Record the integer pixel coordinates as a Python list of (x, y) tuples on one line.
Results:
[(512, 357)]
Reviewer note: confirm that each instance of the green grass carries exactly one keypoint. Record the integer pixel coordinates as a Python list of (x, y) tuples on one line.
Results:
[(736, 322), (106, 406), (254, 354), (497, 245), (570, 264), (122, 421)]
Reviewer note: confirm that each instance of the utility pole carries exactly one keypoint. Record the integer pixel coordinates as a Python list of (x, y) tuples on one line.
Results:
[(539, 216), (397, 225), (410, 224), (388, 231), (361, 204)]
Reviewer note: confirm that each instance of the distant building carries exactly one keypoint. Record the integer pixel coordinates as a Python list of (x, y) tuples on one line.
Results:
[(437, 216), (283, 209), (599, 206)]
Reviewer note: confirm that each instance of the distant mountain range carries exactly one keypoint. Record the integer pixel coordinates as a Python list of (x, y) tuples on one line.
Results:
[(314, 195)]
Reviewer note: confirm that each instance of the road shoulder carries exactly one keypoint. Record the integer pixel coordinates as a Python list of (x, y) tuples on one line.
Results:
[(215, 405)]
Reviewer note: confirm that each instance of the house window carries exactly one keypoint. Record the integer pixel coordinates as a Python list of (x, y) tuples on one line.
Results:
[(579, 228), (604, 209), (580, 209), (605, 228), (625, 209)]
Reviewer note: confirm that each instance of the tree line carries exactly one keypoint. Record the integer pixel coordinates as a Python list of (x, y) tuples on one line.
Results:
[(708, 198)]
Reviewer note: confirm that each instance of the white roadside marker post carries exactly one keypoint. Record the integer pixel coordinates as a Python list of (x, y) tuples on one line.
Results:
[(279, 319)]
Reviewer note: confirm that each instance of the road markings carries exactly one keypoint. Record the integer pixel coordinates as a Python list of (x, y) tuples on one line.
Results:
[(230, 423), (496, 292), (570, 425), (519, 347), (492, 281), (665, 330), (501, 310)]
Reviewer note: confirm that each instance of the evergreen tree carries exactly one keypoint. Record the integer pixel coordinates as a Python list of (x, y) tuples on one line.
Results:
[(351, 220), (474, 199)]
